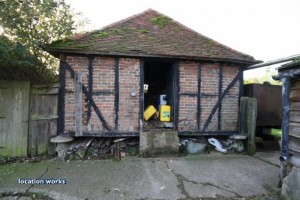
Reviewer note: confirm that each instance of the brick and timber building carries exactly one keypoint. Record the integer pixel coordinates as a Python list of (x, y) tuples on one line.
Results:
[(103, 72)]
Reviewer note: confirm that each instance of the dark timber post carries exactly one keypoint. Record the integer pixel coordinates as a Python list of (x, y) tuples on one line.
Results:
[(176, 94), (90, 85), (241, 82), (199, 97), (117, 93), (61, 98), (219, 96), (141, 113)]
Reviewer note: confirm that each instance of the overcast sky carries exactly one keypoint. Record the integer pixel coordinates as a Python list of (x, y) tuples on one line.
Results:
[(265, 29)]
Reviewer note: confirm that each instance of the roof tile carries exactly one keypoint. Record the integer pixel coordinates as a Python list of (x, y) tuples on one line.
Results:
[(149, 34)]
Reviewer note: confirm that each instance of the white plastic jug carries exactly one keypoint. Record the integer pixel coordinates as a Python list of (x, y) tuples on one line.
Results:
[(163, 99)]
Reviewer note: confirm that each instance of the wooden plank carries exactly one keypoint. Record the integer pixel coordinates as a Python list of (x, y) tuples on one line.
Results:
[(219, 96), (142, 82), (46, 129), (295, 84), (54, 85), (36, 117), (117, 92), (42, 91), (61, 97), (78, 104), (43, 122), (106, 134), (204, 133), (294, 129), (295, 106), (176, 96), (90, 86), (294, 143), (241, 82), (251, 125), (295, 116), (14, 122), (32, 134), (295, 95), (199, 97)]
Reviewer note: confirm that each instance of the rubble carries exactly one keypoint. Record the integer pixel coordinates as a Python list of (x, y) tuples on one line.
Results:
[(97, 148)]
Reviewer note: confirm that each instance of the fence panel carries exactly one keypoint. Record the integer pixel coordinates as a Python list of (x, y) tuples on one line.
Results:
[(14, 104), (43, 119)]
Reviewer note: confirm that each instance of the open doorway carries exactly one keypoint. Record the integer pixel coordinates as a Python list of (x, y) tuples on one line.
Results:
[(159, 77)]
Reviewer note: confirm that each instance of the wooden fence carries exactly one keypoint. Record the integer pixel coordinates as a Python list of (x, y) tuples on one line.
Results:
[(28, 118)]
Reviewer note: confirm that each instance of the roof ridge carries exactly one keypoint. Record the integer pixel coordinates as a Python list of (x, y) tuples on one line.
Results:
[(216, 42), (116, 23), (129, 18)]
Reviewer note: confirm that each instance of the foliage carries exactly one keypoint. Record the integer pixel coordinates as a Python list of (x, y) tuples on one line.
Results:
[(17, 63), (36, 22), (297, 60), (267, 77)]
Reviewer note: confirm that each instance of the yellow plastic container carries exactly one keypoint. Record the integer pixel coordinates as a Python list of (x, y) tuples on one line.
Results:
[(165, 113), (149, 112)]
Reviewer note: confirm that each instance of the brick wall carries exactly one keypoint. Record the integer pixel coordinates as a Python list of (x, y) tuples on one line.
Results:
[(78, 64), (188, 84), (188, 79), (209, 94), (230, 103), (104, 93), (129, 79), (129, 82)]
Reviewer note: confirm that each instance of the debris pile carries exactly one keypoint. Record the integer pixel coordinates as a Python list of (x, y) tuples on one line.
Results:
[(202, 145), (97, 148)]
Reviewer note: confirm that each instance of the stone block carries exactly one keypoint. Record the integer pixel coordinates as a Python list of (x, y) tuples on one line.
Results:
[(159, 142), (291, 184)]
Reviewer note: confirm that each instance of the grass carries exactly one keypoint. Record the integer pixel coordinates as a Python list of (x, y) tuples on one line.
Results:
[(276, 133)]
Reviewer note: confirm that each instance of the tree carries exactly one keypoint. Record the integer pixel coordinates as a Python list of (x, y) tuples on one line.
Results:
[(17, 63), (36, 22)]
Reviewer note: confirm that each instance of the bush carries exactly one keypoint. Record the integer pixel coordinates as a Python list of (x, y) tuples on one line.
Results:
[(17, 63)]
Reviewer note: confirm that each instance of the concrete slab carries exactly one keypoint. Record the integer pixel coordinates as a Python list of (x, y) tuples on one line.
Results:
[(231, 175), (271, 157), (194, 176)]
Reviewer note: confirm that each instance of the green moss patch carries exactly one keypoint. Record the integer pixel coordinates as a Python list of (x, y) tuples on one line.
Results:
[(143, 31), (81, 46), (62, 43), (100, 35), (161, 21)]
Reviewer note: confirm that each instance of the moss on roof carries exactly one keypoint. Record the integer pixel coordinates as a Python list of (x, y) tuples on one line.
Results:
[(149, 34)]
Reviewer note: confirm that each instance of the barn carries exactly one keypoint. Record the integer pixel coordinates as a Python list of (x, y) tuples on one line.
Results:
[(102, 76)]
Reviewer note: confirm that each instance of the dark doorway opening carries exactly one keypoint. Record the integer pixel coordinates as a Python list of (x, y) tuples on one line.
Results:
[(160, 78)]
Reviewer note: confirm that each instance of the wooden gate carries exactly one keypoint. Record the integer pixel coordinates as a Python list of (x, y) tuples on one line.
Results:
[(14, 105), (43, 119), (28, 118)]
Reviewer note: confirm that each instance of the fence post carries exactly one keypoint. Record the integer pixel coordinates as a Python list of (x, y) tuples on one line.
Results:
[(247, 121), (78, 104)]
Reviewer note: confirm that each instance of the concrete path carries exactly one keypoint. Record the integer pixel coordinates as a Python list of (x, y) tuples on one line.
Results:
[(213, 175)]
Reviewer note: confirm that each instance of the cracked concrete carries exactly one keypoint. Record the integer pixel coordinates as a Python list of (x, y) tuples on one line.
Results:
[(205, 187), (197, 176)]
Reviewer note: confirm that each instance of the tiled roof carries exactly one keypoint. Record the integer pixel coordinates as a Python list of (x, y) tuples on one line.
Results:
[(149, 34)]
